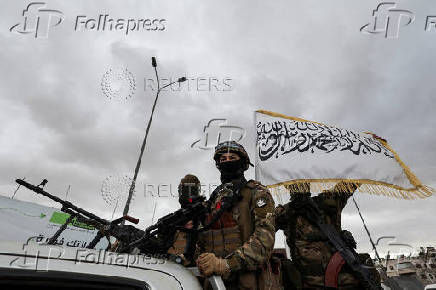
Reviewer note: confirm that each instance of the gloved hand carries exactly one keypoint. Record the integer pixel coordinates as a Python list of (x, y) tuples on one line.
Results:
[(209, 264)]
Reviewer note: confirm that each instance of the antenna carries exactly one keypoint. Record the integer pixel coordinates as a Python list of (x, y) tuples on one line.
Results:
[(115, 208), (144, 142)]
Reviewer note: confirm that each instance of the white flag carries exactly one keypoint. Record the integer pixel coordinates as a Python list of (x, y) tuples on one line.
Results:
[(293, 151)]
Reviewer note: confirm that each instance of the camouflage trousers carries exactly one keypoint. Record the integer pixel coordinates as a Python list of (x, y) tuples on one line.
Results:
[(346, 281), (313, 258), (252, 280)]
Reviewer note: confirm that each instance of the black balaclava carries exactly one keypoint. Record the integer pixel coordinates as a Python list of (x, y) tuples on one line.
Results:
[(231, 170), (189, 187)]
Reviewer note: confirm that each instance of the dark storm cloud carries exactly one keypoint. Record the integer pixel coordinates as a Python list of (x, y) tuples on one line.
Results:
[(301, 58)]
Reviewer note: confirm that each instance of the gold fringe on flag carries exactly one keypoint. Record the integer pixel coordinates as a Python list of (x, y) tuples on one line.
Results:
[(348, 186)]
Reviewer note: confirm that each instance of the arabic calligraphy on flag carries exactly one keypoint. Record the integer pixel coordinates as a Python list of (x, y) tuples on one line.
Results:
[(293, 151)]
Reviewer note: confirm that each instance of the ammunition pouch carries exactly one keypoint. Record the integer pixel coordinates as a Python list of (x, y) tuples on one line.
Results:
[(222, 242)]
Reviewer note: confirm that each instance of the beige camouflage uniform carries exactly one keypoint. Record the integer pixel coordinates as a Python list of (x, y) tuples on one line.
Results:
[(245, 237)]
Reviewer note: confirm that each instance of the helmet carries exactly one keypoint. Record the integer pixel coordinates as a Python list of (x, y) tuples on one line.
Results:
[(232, 147)]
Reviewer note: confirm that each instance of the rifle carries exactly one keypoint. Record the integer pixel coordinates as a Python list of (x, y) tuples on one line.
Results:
[(348, 254), (156, 239), (160, 236)]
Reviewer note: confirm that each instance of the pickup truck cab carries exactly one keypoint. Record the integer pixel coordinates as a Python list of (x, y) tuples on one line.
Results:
[(35, 266)]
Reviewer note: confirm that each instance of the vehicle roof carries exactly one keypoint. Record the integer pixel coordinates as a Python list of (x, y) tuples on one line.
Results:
[(158, 273)]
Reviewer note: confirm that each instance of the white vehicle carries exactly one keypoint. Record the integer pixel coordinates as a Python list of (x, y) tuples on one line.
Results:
[(430, 287), (35, 266)]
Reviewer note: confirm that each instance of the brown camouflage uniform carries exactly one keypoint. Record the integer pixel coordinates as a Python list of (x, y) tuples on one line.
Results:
[(310, 248), (179, 244), (245, 237), (188, 188)]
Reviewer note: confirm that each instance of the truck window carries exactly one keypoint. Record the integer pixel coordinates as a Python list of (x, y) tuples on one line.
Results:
[(39, 280), (406, 265)]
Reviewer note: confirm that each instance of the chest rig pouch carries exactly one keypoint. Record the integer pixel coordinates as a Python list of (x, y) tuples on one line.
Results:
[(234, 226)]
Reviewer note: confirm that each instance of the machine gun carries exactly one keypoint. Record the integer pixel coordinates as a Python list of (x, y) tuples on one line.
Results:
[(104, 227), (156, 239)]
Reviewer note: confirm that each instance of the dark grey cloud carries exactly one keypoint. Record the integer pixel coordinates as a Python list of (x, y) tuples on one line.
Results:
[(301, 58)]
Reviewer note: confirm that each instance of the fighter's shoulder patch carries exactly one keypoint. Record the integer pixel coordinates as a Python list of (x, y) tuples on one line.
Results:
[(261, 202)]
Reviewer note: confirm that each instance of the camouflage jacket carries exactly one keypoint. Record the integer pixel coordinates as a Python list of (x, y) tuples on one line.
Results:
[(253, 218), (310, 248)]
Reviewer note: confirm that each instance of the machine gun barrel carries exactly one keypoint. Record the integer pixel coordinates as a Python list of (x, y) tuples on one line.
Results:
[(65, 204)]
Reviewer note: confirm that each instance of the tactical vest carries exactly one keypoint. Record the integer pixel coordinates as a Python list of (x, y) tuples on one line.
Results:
[(233, 228)]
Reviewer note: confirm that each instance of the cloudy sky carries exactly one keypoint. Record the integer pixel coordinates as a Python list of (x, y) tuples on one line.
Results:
[(301, 58)]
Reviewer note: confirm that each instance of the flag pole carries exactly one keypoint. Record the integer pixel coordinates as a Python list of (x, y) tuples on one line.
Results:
[(367, 231), (256, 174)]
